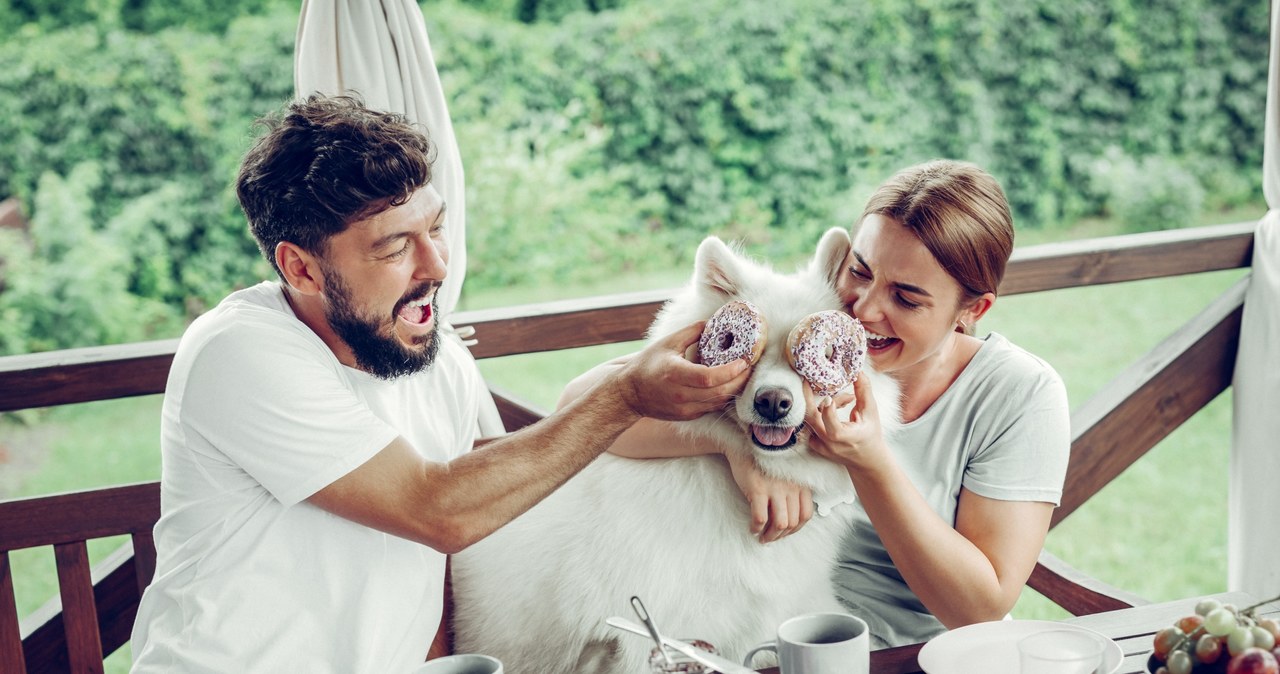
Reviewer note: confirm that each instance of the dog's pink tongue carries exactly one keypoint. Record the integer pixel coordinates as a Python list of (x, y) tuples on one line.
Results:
[(772, 436)]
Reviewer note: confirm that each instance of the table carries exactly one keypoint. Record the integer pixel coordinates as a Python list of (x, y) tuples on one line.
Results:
[(1133, 629)]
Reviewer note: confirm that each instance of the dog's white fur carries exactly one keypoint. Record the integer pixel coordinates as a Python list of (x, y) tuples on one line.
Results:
[(674, 532)]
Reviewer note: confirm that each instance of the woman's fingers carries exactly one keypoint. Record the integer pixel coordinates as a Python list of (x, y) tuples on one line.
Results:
[(759, 514)]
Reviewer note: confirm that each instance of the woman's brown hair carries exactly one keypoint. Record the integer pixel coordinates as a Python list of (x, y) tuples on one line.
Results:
[(959, 213)]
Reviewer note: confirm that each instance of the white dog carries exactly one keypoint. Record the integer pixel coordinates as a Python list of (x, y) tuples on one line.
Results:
[(674, 532)]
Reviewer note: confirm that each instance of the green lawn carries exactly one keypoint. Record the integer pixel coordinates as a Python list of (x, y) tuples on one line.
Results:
[(1170, 508)]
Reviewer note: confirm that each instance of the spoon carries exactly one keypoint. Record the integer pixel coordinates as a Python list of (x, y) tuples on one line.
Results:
[(716, 662), (653, 629)]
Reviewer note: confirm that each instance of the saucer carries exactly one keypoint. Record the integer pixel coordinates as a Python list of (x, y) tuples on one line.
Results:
[(992, 647)]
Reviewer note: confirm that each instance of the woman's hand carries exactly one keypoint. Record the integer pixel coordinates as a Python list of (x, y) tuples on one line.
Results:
[(853, 442), (778, 508)]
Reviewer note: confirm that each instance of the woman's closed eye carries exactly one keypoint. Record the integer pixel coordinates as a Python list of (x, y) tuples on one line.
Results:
[(905, 302)]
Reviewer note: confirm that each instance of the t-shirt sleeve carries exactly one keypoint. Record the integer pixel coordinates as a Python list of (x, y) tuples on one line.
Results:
[(1024, 454), (275, 404)]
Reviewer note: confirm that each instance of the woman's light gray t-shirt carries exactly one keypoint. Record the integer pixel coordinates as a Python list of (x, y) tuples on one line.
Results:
[(1002, 430)]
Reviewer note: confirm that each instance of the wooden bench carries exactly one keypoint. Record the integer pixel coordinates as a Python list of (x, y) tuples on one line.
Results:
[(1116, 427)]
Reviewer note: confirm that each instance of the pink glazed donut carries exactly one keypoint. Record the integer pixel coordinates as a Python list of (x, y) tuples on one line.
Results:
[(827, 349), (736, 330)]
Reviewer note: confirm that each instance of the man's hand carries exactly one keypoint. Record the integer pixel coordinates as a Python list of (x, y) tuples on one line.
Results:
[(660, 383), (778, 508)]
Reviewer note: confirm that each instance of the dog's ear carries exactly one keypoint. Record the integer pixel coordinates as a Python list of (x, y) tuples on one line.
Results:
[(716, 267), (833, 248)]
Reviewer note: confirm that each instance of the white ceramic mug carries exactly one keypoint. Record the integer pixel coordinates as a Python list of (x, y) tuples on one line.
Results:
[(461, 664), (820, 643)]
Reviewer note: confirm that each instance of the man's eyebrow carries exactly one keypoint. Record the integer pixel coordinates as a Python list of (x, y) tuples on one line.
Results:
[(913, 289), (395, 236)]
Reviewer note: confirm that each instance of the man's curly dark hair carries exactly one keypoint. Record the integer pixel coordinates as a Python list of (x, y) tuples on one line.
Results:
[(325, 162)]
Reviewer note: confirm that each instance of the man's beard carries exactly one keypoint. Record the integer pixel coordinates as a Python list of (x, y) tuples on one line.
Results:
[(382, 356)]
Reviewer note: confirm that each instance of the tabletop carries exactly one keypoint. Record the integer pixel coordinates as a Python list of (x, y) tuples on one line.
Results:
[(1132, 628)]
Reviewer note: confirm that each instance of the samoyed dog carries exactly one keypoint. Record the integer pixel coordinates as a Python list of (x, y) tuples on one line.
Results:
[(674, 532)]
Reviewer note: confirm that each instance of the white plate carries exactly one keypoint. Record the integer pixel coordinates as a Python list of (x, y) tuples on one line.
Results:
[(992, 647)]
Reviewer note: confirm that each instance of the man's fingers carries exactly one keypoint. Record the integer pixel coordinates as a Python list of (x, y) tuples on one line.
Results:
[(683, 338)]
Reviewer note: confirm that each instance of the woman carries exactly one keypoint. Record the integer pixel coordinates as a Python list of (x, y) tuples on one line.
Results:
[(950, 519), (953, 517)]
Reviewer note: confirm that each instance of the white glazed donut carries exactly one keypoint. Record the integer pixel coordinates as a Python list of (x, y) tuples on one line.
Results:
[(827, 349), (736, 330)]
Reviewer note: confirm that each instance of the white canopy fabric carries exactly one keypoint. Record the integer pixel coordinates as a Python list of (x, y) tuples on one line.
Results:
[(380, 50), (1253, 543)]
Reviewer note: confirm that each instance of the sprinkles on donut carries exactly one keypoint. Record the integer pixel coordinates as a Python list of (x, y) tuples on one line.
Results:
[(827, 349), (736, 330)]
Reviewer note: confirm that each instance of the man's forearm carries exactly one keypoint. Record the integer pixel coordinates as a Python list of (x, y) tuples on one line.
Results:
[(521, 469)]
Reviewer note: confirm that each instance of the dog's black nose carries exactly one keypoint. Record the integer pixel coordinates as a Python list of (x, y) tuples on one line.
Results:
[(773, 403)]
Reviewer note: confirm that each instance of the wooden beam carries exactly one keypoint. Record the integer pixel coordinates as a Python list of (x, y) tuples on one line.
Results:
[(565, 324), (78, 516), (1129, 257), (82, 375), (1075, 591), (1151, 398)]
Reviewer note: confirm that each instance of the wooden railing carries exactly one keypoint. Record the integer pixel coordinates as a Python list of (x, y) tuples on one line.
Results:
[(1114, 428)]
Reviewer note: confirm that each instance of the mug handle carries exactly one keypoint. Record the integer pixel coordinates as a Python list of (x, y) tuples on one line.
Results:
[(766, 646)]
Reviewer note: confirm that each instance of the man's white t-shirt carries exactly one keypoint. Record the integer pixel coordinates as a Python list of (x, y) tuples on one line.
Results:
[(258, 416), (1001, 430)]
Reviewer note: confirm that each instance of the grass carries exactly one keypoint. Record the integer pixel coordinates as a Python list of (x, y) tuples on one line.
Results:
[(1157, 530)]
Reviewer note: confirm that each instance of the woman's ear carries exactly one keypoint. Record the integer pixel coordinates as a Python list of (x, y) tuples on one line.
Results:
[(973, 313), (301, 270)]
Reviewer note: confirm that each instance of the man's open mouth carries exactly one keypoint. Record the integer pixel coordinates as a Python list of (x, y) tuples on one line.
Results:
[(416, 312), (773, 438)]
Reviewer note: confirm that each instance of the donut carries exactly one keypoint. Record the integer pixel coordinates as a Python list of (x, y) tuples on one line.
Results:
[(736, 330), (827, 349)]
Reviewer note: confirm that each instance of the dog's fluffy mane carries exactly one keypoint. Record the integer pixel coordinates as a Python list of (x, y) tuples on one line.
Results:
[(722, 273)]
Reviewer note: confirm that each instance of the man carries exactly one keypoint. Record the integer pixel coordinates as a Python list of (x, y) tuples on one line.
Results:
[(315, 431)]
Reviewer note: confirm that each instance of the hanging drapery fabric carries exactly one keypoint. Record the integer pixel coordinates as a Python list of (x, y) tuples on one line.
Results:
[(1254, 548), (379, 49)]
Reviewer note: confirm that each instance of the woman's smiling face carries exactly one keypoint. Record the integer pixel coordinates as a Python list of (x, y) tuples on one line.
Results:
[(907, 302)]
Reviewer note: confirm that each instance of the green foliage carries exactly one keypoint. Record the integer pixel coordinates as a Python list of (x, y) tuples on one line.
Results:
[(139, 15), (71, 286), (1148, 194), (601, 136), (123, 147)]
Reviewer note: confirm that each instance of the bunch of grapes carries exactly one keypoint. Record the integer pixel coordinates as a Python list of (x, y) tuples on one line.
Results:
[(1218, 639)]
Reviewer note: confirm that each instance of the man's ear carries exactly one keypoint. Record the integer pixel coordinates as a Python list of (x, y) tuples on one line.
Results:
[(301, 269)]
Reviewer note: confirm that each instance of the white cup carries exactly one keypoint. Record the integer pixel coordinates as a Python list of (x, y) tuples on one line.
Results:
[(820, 643), (1060, 652), (461, 664)]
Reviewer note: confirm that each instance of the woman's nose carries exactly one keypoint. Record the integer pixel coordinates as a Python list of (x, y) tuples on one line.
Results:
[(867, 308)]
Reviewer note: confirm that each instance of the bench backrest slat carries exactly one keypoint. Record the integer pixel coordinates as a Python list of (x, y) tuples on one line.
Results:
[(79, 612), (11, 659)]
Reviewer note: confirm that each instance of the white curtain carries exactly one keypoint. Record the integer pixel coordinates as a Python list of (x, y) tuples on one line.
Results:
[(1254, 546), (380, 50)]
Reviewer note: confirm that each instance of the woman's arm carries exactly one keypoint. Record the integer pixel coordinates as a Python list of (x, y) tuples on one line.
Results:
[(968, 573), (778, 508)]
